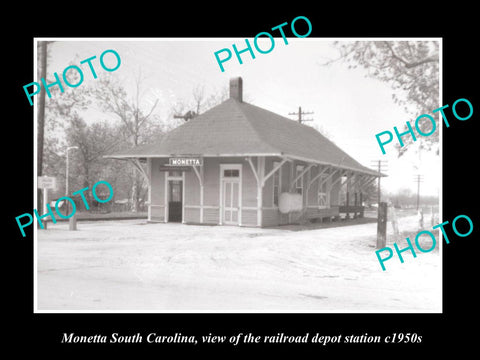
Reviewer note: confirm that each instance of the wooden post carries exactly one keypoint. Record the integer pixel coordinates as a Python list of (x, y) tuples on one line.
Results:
[(361, 205), (347, 216), (202, 192), (149, 194), (45, 202), (260, 176), (382, 225), (200, 176), (355, 201), (72, 222)]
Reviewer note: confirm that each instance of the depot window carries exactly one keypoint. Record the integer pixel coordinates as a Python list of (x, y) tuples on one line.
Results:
[(231, 173), (299, 182)]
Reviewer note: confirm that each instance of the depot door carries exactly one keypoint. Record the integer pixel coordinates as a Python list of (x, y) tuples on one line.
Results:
[(175, 198), (231, 192)]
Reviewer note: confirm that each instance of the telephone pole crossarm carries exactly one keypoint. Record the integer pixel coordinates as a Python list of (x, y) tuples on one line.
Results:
[(300, 113)]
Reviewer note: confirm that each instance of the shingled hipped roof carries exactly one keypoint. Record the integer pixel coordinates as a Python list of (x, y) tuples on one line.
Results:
[(236, 128)]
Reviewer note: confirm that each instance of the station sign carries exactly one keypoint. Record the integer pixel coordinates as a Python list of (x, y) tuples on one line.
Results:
[(46, 182), (185, 161)]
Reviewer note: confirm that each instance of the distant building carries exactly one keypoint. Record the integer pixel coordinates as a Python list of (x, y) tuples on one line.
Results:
[(239, 164)]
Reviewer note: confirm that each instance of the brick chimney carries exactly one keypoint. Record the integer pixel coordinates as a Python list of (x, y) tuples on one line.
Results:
[(236, 88)]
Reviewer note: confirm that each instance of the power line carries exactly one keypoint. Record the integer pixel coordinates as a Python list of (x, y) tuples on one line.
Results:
[(418, 179), (381, 167), (300, 113)]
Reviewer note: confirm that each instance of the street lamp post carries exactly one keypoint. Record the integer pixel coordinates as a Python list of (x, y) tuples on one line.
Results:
[(73, 220)]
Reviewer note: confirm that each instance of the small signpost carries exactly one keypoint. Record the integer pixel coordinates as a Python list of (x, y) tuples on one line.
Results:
[(45, 183)]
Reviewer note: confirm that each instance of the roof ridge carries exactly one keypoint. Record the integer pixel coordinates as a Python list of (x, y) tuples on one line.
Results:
[(235, 127), (249, 123), (286, 120), (295, 123)]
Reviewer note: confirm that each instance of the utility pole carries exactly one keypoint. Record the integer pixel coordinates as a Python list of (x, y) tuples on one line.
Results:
[(418, 179), (300, 113), (72, 222), (381, 167), (42, 47), (382, 212)]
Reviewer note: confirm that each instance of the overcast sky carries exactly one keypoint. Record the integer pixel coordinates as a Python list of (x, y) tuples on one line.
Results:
[(350, 107)]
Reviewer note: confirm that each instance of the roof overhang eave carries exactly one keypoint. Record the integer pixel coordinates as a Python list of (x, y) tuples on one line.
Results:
[(340, 166), (131, 156), (282, 155)]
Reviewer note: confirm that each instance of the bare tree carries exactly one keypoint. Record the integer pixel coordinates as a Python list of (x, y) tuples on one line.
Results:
[(200, 102), (93, 142), (411, 68), (135, 117), (198, 94), (59, 111)]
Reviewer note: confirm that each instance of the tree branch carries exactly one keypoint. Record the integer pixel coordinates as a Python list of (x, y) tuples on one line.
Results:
[(408, 64), (421, 62)]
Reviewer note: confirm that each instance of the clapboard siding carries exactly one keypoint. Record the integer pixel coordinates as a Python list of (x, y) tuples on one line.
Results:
[(192, 215), (270, 217), (211, 216), (249, 217), (157, 213)]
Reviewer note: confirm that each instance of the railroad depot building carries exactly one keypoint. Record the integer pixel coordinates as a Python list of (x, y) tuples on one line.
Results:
[(239, 164)]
